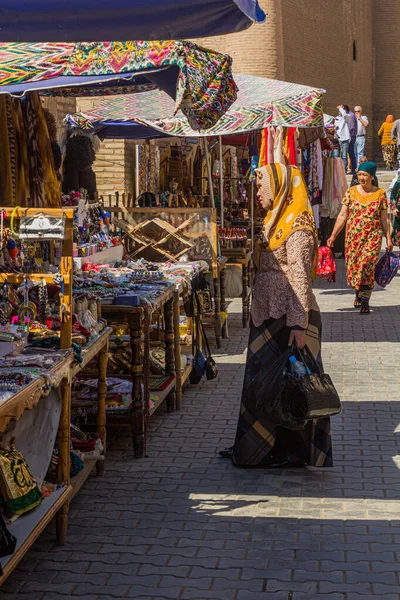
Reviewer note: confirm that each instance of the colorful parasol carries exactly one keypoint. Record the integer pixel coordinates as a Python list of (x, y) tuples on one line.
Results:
[(199, 80), (260, 103)]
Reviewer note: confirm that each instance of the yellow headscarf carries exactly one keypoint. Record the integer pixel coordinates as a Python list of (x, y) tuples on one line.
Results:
[(291, 209)]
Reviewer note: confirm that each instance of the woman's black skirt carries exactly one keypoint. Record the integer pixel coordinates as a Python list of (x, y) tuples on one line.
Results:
[(260, 442)]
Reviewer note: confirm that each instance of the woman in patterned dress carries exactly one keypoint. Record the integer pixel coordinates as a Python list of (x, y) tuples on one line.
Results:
[(283, 310), (365, 212)]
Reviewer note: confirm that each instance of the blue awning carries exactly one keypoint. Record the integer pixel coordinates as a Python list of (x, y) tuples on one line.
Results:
[(100, 20)]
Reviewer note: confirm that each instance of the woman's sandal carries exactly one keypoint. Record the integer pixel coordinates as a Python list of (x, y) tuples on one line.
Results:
[(365, 310), (226, 453), (357, 303)]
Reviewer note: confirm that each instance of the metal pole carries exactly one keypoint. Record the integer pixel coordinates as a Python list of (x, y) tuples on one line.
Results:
[(137, 166), (221, 181), (252, 213), (208, 163)]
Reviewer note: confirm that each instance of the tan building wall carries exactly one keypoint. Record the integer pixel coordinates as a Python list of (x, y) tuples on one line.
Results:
[(347, 47), (386, 63), (311, 42)]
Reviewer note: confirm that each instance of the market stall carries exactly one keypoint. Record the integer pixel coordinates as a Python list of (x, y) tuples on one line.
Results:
[(262, 105), (53, 334)]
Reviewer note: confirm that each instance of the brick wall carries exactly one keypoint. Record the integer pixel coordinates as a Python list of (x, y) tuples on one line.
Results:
[(386, 64), (60, 107), (256, 51), (114, 165)]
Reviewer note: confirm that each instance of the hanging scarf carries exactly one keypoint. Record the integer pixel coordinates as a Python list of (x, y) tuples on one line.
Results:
[(291, 209)]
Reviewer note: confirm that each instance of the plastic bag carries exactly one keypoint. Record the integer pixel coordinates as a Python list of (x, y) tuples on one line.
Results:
[(386, 269), (326, 264), (269, 395)]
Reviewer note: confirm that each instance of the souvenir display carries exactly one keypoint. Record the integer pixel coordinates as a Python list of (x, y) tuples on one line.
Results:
[(18, 489), (233, 238)]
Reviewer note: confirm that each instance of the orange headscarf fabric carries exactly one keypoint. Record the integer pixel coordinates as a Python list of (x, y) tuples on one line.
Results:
[(390, 119)]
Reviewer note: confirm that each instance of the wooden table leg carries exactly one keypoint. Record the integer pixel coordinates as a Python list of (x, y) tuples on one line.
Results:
[(217, 322), (170, 350), (137, 407), (101, 404), (223, 302), (64, 468), (245, 315), (177, 347)]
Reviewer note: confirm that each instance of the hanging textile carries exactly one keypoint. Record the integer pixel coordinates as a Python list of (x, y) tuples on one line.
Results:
[(51, 186), (263, 160), (6, 178), (334, 189), (312, 160), (279, 155), (22, 165)]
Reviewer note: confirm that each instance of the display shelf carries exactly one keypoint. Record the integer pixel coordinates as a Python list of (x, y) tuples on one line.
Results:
[(108, 255), (78, 481), (162, 395), (29, 396), (186, 373), (30, 525), (91, 351)]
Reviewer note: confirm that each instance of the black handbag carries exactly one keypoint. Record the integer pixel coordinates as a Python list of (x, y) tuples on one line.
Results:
[(199, 360), (266, 395), (198, 303), (312, 396), (210, 365)]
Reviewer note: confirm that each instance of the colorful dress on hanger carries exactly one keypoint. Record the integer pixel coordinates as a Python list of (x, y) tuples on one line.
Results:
[(363, 235)]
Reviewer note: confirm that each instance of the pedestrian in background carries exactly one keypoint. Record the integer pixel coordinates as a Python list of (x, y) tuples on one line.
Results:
[(343, 135), (365, 213), (387, 142), (352, 124), (362, 124), (396, 136)]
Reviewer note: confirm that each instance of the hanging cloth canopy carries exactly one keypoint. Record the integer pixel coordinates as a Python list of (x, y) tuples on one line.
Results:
[(199, 80), (79, 20), (260, 103)]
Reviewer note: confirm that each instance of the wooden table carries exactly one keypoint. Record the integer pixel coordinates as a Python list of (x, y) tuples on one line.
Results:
[(99, 349), (29, 526), (139, 317)]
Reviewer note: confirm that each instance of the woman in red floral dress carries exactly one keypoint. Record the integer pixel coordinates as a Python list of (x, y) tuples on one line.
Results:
[(365, 212)]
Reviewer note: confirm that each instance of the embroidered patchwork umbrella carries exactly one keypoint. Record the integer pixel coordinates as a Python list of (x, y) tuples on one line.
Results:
[(78, 20), (260, 103), (199, 80)]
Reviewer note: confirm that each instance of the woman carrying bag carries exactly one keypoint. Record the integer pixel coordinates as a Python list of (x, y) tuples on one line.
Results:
[(284, 314)]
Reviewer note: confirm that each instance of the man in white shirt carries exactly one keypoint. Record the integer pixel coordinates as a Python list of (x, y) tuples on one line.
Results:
[(362, 124), (343, 134)]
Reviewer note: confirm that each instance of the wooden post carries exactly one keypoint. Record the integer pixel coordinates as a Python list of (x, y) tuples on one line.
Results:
[(63, 470), (169, 349), (66, 268), (137, 406), (217, 316), (101, 403), (177, 346), (245, 295), (223, 301)]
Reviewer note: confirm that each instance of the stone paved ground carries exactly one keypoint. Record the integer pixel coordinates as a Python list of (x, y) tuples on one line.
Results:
[(184, 524)]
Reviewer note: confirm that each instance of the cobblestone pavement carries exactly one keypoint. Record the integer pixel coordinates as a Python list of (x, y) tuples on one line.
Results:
[(184, 524)]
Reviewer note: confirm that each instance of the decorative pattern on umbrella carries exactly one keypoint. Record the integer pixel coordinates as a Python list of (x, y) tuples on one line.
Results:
[(260, 103), (205, 87)]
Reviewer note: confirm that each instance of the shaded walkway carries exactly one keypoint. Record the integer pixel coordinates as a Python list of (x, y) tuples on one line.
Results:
[(184, 524)]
